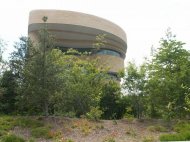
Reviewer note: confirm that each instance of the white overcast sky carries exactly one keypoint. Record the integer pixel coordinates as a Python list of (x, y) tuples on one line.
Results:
[(144, 21)]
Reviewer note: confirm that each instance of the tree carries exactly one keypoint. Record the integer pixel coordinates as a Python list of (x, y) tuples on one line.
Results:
[(111, 102), (1, 52), (82, 81), (134, 82), (2, 63), (7, 104), (41, 74), (19, 57), (169, 70)]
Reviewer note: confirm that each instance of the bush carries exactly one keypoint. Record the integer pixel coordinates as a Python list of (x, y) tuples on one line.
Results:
[(181, 126), (131, 131), (109, 139), (41, 132), (94, 114), (157, 128), (12, 138), (183, 136), (2, 132), (171, 137), (6, 123), (183, 133), (69, 140), (148, 139)]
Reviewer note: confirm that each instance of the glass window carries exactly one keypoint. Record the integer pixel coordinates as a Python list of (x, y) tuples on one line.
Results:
[(108, 52)]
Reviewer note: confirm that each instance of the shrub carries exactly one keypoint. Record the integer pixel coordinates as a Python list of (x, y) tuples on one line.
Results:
[(181, 126), (183, 136), (171, 137), (94, 114), (130, 131), (12, 138), (41, 132), (183, 133), (100, 126), (6, 123), (2, 132), (109, 139), (114, 122), (148, 139), (31, 140), (157, 128), (69, 140), (83, 125)]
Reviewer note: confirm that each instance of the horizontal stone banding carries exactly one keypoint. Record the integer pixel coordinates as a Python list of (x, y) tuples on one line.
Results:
[(79, 30)]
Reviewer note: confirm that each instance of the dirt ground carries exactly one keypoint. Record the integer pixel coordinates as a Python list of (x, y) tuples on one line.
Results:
[(82, 130)]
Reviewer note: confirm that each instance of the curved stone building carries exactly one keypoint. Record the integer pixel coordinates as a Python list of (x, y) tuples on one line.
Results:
[(78, 30)]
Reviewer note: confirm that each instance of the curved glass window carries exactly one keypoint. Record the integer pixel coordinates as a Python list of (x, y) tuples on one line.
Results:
[(108, 52), (94, 51)]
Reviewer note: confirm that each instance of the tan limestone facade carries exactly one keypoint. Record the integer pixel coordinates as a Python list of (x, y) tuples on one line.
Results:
[(78, 30)]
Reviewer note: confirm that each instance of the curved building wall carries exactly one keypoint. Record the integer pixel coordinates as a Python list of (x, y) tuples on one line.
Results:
[(78, 30)]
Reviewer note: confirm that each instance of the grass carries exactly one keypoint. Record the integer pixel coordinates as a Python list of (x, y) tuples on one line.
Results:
[(2, 132), (28, 123), (182, 133), (181, 126), (37, 128), (6, 123), (12, 138), (69, 140), (41, 132)]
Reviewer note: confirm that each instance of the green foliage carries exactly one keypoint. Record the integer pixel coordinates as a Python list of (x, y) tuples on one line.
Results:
[(83, 82), (18, 60), (183, 133), (1, 50), (2, 132), (187, 98), (157, 128), (83, 125), (69, 140), (112, 102), (31, 140), (41, 132), (6, 123), (12, 138), (176, 137), (182, 126), (28, 122), (168, 72), (160, 87), (130, 131), (2, 61), (41, 75), (134, 82), (100, 126), (148, 139), (8, 99), (94, 113), (100, 41), (109, 139)]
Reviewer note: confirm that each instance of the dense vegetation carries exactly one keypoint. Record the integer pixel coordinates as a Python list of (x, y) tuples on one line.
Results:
[(40, 79)]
